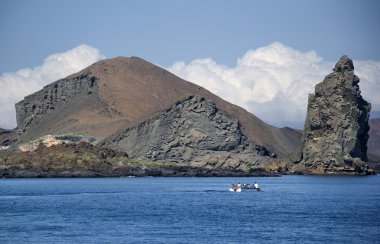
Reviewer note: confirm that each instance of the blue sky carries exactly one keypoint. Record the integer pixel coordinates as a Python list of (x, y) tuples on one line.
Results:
[(167, 31), (265, 56)]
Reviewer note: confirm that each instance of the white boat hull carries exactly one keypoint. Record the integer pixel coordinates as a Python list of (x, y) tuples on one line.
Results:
[(236, 190), (244, 189)]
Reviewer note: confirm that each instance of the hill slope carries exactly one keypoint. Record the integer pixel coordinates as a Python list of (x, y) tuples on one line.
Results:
[(113, 94), (374, 140)]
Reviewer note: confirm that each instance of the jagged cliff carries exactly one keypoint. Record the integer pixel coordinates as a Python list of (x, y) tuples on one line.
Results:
[(70, 105), (336, 126), (194, 131)]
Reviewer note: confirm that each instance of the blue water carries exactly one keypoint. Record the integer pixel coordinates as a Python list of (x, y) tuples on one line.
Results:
[(190, 210)]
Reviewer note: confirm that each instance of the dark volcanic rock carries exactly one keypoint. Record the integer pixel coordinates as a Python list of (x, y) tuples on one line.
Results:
[(336, 127), (193, 131), (8, 137), (86, 160)]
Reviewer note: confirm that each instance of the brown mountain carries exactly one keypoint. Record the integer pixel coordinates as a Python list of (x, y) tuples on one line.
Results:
[(374, 141), (115, 94)]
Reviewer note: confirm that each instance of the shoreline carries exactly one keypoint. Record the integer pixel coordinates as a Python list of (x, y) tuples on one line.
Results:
[(174, 171), (22, 174)]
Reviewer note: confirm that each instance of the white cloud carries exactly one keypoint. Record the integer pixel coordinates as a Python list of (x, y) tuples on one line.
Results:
[(273, 82), (16, 85), (369, 74)]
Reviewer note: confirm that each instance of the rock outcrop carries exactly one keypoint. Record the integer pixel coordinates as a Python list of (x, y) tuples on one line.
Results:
[(336, 127), (193, 131), (86, 160), (7, 137), (68, 105)]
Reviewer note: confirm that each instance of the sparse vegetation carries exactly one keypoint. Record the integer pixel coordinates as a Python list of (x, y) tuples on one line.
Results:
[(157, 163), (85, 160)]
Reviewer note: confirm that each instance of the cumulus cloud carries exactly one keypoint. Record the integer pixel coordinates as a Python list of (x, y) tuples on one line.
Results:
[(369, 74), (273, 82), (14, 86)]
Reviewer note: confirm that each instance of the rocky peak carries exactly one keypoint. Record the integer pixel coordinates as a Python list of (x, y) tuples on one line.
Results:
[(344, 64), (336, 127)]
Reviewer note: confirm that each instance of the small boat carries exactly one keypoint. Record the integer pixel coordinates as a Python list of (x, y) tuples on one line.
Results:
[(244, 187)]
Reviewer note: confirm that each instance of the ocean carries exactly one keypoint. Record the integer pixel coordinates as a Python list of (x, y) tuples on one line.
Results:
[(290, 209)]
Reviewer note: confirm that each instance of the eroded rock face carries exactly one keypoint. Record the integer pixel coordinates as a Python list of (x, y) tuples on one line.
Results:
[(35, 109), (7, 137), (69, 105), (192, 131), (336, 127)]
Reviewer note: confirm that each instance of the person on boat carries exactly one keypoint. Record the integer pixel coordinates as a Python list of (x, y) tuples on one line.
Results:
[(256, 185), (238, 186)]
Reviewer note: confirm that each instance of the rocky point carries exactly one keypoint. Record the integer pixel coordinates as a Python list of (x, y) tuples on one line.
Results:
[(336, 127)]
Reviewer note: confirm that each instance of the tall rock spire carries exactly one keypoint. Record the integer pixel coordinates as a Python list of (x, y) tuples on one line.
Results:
[(336, 127)]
